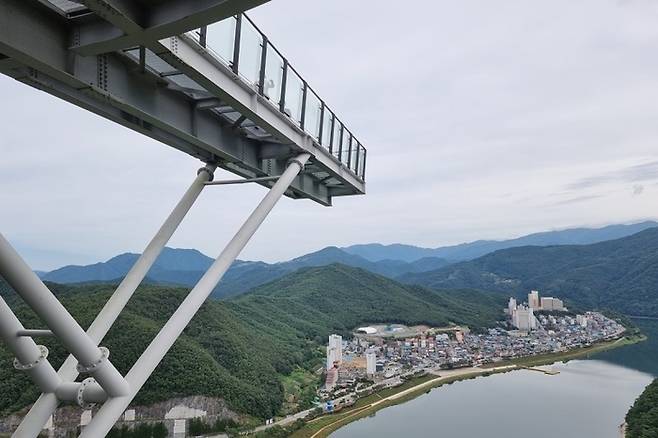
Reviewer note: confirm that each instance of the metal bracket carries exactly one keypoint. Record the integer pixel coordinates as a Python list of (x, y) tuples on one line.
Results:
[(34, 332), (28, 366), (211, 174), (93, 367), (243, 181)]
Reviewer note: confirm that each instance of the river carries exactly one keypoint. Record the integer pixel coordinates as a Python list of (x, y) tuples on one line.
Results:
[(587, 399)]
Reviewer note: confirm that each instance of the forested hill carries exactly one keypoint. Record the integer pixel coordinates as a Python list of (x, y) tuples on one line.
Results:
[(340, 297), (619, 274), (642, 419), (239, 349)]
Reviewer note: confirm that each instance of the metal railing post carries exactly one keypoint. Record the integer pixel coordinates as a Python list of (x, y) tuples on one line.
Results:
[(236, 44)]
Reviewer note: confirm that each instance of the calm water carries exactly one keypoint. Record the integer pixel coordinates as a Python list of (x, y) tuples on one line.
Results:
[(588, 399)]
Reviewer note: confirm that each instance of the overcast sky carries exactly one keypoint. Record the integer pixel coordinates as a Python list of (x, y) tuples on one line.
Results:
[(482, 120)]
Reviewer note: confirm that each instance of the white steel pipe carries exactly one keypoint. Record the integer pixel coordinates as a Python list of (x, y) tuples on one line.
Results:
[(91, 393), (26, 283), (47, 403), (28, 354), (34, 332), (110, 412)]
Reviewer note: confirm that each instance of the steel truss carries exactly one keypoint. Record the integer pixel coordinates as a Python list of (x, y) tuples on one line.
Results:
[(104, 384)]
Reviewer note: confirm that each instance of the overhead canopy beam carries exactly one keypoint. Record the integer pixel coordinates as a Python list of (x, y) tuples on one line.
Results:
[(125, 24), (137, 101)]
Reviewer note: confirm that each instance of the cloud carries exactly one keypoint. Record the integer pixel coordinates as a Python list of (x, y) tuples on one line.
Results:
[(638, 189), (577, 199), (631, 174)]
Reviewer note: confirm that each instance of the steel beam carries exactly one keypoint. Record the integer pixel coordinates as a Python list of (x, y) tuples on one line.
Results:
[(110, 412), (108, 87), (198, 64), (242, 181), (127, 24)]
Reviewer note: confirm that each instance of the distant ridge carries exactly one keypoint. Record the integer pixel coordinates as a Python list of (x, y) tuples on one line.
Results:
[(467, 251), (620, 275), (185, 267)]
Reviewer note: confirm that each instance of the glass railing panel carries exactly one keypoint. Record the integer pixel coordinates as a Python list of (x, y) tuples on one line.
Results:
[(362, 162), (354, 156), (336, 141), (251, 49), (326, 128), (294, 96), (333, 136), (273, 75), (221, 39), (345, 149), (312, 114)]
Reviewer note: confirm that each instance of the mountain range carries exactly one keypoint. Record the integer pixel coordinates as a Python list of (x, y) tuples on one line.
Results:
[(468, 251), (619, 274), (186, 266)]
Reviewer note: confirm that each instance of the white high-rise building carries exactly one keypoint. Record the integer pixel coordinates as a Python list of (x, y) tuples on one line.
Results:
[(336, 341), (533, 300), (581, 320), (334, 350), (371, 362), (511, 306), (523, 318), (331, 357)]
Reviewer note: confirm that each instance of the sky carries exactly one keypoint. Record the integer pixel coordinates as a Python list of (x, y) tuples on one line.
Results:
[(482, 120)]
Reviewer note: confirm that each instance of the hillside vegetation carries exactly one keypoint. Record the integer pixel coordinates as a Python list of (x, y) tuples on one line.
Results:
[(239, 349), (619, 274), (642, 419)]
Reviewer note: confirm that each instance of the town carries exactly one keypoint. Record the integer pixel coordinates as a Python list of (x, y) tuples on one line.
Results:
[(381, 356)]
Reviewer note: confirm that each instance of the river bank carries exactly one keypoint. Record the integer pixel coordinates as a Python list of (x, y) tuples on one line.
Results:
[(323, 426)]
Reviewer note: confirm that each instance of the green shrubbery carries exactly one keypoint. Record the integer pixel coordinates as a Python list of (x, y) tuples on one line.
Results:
[(143, 430), (198, 426), (642, 419)]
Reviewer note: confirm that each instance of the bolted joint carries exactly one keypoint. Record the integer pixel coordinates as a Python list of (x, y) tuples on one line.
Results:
[(90, 369), (209, 169), (28, 366), (297, 161), (80, 395)]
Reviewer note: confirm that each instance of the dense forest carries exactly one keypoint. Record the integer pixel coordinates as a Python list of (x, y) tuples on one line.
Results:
[(620, 274), (642, 419), (239, 349)]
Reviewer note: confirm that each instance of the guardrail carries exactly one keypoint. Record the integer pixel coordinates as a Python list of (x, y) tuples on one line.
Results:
[(243, 48)]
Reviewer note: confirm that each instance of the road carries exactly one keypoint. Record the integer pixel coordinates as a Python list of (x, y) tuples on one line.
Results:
[(443, 376)]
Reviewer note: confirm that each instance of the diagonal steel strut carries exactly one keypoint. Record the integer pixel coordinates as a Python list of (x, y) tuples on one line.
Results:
[(112, 409), (45, 406)]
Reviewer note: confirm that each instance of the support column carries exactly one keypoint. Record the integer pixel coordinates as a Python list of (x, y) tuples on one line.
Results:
[(47, 403), (26, 283), (110, 412)]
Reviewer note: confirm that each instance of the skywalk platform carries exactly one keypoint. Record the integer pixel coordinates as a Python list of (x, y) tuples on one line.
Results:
[(149, 65)]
